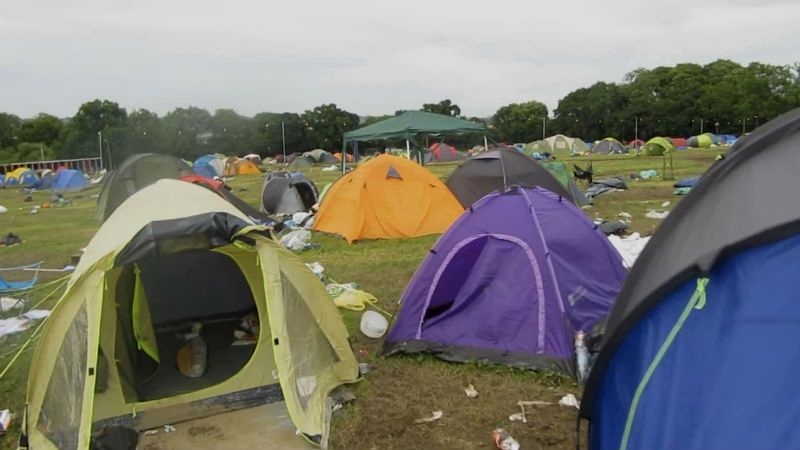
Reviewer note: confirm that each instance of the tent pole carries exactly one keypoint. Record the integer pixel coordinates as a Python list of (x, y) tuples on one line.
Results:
[(408, 149)]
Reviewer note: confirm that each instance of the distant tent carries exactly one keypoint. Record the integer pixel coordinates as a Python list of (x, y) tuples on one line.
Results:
[(678, 142), (561, 145), (69, 181), (727, 139), (690, 356), (441, 152), (636, 144), (230, 166), (2, 179), (609, 146), (320, 156), (495, 170), (136, 173), (219, 188), (338, 156), (560, 171), (511, 282), (299, 163), (387, 198), (46, 179), (283, 193), (537, 147), (700, 141), (579, 147), (245, 167), (209, 166), (253, 157), (23, 177), (657, 146)]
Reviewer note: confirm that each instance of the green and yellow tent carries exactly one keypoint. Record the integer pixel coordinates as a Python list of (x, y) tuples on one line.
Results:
[(657, 146)]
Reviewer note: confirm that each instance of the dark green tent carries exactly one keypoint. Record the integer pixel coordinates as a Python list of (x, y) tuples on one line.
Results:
[(411, 124)]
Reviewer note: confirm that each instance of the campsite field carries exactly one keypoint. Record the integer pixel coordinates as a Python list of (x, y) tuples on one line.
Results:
[(400, 389)]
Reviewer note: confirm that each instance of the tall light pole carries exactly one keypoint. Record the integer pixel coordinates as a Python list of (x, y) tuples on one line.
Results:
[(744, 125), (283, 137), (544, 127), (701, 125), (636, 130), (100, 144)]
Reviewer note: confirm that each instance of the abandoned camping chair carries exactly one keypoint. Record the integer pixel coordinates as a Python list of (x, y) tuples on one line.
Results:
[(584, 176), (7, 286)]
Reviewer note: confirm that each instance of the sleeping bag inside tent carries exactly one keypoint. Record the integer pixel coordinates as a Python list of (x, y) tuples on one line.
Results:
[(700, 348), (175, 259), (511, 282)]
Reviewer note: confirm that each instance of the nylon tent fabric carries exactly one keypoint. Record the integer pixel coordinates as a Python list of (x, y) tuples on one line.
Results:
[(700, 141), (135, 173), (678, 142), (579, 147), (46, 180), (338, 156), (441, 152), (465, 301), (562, 174), (219, 188), (230, 166), (387, 198), (537, 147), (657, 146), (636, 144), (22, 176), (209, 166), (702, 308), (69, 181), (495, 170), (247, 167), (320, 156), (609, 146), (561, 145), (412, 123), (177, 247), (283, 193)]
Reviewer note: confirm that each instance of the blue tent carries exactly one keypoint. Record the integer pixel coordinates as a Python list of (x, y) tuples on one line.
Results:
[(700, 349), (46, 180), (204, 167), (2, 179), (69, 181)]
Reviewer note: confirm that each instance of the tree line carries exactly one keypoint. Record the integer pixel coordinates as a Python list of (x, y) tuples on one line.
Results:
[(684, 100)]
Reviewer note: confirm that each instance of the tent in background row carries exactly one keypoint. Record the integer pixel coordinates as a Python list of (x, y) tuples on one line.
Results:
[(320, 156), (690, 356), (441, 152), (22, 177), (284, 193), (68, 180), (609, 146), (409, 126), (209, 166), (657, 146)]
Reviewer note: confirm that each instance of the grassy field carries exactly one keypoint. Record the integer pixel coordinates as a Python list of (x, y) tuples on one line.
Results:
[(400, 389)]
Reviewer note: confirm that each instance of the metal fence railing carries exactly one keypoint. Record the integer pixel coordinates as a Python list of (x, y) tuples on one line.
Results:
[(86, 165)]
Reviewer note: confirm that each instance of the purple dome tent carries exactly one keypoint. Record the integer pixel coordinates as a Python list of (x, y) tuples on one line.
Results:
[(511, 282)]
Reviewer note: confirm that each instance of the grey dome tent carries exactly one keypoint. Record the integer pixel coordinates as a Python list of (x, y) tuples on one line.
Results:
[(495, 170), (283, 193), (609, 146), (300, 162), (134, 174), (320, 156)]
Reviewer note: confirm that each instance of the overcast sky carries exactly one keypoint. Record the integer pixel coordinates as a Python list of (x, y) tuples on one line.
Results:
[(369, 56)]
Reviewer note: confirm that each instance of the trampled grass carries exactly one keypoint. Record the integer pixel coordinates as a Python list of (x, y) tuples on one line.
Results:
[(400, 389)]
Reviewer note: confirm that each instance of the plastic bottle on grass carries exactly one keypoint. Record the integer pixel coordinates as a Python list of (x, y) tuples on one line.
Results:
[(503, 440), (582, 357)]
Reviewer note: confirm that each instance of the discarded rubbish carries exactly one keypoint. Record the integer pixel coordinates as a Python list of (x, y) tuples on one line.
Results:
[(151, 432), (3, 209), (168, 428), (625, 215), (317, 268), (296, 240), (365, 368), (8, 303), (569, 400), (19, 324), (470, 391), (5, 421), (436, 415), (523, 403), (373, 324), (503, 440), (582, 356), (517, 417), (330, 168), (10, 239), (653, 214), (647, 174), (665, 204)]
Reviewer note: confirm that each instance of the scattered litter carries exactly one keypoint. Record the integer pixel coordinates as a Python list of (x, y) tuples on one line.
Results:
[(243, 188), (8, 303), (569, 400), (681, 191), (373, 324), (317, 268), (10, 239), (629, 247), (470, 391), (365, 368), (582, 357), (653, 214), (5, 421), (19, 324), (303, 219), (297, 240), (665, 204), (433, 418), (524, 403), (3, 209), (503, 440), (151, 432), (336, 289), (647, 174), (168, 428), (517, 417), (330, 168), (625, 215), (612, 227)]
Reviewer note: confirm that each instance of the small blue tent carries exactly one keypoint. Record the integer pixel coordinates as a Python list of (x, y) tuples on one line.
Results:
[(46, 180), (69, 181), (2, 179), (700, 349), (204, 166)]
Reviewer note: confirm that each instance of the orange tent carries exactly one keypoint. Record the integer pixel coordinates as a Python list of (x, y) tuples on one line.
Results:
[(246, 167), (387, 198), (338, 156)]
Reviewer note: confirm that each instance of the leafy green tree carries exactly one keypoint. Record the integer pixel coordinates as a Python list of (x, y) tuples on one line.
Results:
[(98, 116), (519, 122), (9, 128), (446, 107), (231, 133), (144, 134), (44, 128), (326, 125), (270, 129), (187, 132), (591, 113)]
